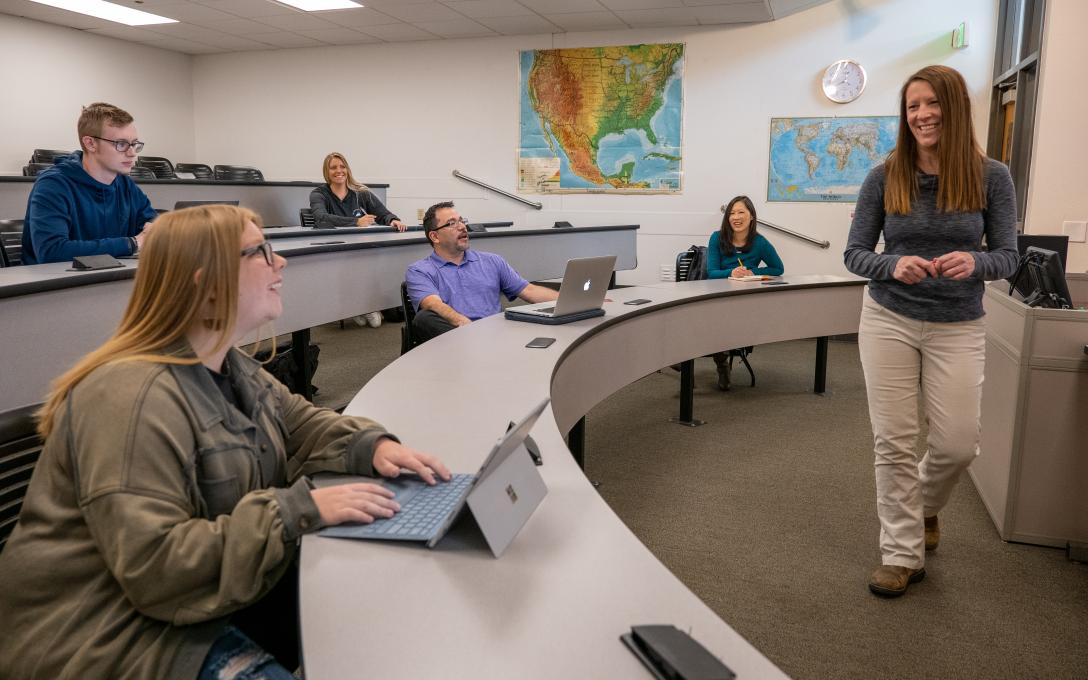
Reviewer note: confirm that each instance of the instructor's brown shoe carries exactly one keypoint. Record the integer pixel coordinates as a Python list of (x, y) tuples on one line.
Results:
[(892, 580), (933, 533)]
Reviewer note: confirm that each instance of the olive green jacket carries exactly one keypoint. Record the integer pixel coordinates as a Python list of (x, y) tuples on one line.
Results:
[(157, 509)]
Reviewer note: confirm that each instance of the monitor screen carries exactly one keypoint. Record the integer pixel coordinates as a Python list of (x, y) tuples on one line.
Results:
[(1058, 244), (1044, 271)]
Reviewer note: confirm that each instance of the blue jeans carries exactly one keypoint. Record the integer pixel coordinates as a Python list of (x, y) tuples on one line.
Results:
[(235, 657)]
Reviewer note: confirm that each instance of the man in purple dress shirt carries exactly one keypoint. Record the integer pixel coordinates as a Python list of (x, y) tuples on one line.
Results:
[(454, 286)]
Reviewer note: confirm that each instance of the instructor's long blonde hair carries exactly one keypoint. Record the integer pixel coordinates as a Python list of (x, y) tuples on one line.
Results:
[(188, 273)]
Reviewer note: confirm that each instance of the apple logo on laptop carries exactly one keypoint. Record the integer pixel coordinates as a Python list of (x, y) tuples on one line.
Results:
[(585, 286)]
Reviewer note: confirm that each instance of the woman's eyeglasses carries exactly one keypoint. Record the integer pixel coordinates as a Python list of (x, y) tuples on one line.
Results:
[(264, 248)]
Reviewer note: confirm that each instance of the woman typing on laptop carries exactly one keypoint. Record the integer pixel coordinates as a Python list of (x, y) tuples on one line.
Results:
[(161, 524)]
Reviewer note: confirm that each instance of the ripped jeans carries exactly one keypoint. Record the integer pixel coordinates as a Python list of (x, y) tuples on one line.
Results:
[(235, 657)]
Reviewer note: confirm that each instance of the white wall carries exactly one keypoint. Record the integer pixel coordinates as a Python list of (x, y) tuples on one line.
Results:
[(1058, 188), (408, 114), (49, 72)]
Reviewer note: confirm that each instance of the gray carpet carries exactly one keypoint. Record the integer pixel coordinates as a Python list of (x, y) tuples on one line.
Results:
[(767, 513)]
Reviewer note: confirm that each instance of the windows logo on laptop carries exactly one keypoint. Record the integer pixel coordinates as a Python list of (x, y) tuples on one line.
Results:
[(501, 497)]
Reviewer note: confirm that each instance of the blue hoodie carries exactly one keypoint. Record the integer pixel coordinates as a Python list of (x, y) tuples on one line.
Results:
[(70, 213)]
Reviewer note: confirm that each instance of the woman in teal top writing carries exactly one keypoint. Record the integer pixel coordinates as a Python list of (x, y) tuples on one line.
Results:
[(737, 250)]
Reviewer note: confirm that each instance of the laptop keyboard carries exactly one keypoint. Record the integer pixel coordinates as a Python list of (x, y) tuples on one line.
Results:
[(424, 511)]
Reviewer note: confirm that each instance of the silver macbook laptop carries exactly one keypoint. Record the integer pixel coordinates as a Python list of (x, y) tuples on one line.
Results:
[(585, 283), (501, 496)]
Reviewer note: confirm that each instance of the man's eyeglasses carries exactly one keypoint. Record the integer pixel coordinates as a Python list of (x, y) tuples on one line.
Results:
[(453, 223), (264, 248), (122, 145)]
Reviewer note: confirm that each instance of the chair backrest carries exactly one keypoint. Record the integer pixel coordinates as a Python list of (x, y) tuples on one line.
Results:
[(20, 448), (11, 242), (47, 155), (140, 172), (691, 264), (197, 170), (162, 167), (238, 173), (32, 169), (306, 218), (407, 338)]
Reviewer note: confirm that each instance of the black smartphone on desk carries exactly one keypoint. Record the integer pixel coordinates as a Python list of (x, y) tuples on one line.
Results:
[(540, 343), (638, 301)]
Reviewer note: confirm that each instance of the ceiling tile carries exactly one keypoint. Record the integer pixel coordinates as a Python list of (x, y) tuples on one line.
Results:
[(358, 18), (422, 11), (399, 32), (284, 39), (339, 36), (133, 33), (181, 45), (701, 3), (647, 18), (560, 6), (241, 27), (748, 12), (617, 5), (296, 22), (586, 21), (190, 12), (250, 9), (520, 25), (459, 28), (187, 32), (478, 9)]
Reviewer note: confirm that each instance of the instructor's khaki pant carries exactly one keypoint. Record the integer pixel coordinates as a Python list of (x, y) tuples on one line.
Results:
[(943, 362)]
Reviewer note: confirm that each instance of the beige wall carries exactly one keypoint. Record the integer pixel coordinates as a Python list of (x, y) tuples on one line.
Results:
[(409, 114), (1059, 162), (49, 72)]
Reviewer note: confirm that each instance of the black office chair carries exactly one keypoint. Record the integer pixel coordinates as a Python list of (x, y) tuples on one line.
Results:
[(162, 167), (407, 338), (306, 218), (140, 172), (238, 173), (691, 266), (47, 156), (11, 243), (197, 170), (20, 448), (32, 169)]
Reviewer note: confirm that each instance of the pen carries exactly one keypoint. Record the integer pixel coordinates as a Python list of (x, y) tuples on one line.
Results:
[(739, 263)]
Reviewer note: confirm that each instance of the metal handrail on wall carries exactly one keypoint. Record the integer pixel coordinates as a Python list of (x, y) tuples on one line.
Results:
[(791, 232), (519, 199)]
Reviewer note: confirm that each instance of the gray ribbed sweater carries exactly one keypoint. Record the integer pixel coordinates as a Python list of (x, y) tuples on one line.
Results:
[(927, 233)]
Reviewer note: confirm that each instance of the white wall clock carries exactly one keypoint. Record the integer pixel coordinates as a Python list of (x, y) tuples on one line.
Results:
[(844, 81)]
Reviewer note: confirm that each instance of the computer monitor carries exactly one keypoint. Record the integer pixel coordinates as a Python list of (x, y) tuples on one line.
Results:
[(1046, 279), (189, 204), (1059, 244)]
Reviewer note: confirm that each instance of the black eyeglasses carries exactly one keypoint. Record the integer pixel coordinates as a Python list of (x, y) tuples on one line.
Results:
[(264, 248), (453, 223), (122, 145)]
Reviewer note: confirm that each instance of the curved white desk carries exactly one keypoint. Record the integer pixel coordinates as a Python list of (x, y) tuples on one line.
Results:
[(575, 578), (52, 317)]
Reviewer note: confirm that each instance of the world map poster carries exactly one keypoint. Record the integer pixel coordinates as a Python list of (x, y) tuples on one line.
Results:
[(601, 119), (826, 159)]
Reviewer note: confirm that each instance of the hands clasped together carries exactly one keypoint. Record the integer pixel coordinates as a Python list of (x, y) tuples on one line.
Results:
[(364, 502), (957, 265)]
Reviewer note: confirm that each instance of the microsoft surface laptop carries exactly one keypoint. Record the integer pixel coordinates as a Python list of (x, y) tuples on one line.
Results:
[(581, 294), (501, 497)]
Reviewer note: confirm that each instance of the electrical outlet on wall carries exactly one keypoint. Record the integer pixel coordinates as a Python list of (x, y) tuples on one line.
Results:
[(1075, 230), (420, 212)]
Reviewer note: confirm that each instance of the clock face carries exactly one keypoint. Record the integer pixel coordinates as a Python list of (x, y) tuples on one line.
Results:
[(844, 81)]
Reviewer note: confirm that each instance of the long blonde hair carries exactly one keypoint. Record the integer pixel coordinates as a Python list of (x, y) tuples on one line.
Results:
[(961, 187), (188, 273), (352, 182)]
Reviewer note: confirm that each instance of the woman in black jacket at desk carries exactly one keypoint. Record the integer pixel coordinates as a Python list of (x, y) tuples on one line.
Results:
[(344, 202)]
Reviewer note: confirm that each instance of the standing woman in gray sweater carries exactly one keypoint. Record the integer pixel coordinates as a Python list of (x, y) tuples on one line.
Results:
[(936, 197)]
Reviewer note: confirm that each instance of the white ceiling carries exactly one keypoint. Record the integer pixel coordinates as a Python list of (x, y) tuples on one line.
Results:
[(211, 26)]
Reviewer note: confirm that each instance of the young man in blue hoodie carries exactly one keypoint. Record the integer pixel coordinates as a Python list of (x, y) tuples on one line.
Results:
[(87, 204)]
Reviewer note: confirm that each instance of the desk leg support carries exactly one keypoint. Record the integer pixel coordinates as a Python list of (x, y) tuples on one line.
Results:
[(687, 396), (576, 442), (300, 345), (820, 382)]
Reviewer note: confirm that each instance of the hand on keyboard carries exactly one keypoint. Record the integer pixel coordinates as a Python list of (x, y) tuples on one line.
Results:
[(359, 502), (391, 457)]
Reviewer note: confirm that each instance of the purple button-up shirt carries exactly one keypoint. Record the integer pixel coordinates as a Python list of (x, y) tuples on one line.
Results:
[(472, 287)]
